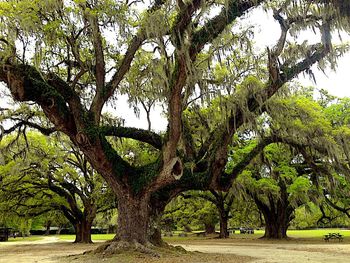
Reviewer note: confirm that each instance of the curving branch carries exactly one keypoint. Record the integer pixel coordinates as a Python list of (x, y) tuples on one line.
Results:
[(344, 210), (25, 123), (232, 10), (27, 84), (133, 133)]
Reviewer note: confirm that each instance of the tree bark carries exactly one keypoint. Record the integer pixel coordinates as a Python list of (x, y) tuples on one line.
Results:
[(209, 228), (276, 226), (223, 216), (133, 218), (48, 226), (83, 232), (277, 219)]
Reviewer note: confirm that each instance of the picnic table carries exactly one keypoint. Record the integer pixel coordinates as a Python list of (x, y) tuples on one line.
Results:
[(244, 230), (330, 236)]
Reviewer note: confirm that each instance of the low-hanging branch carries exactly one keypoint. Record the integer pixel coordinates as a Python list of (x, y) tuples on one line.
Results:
[(344, 210), (133, 133)]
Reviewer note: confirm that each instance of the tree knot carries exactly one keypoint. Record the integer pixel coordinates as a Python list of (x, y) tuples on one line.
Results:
[(82, 138)]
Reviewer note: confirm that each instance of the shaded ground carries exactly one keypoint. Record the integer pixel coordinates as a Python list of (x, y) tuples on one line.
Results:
[(51, 250)]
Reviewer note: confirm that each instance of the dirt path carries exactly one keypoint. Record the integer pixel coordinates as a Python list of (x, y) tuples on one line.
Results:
[(276, 253), (46, 250), (51, 249)]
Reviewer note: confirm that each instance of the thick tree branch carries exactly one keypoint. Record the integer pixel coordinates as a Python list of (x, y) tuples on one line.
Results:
[(232, 10), (133, 133), (27, 84), (335, 206)]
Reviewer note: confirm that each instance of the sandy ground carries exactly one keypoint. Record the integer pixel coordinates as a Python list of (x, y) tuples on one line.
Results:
[(46, 250), (49, 250), (275, 253)]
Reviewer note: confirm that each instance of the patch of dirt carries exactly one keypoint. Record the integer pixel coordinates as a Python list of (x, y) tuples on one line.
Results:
[(50, 250), (291, 252), (46, 250)]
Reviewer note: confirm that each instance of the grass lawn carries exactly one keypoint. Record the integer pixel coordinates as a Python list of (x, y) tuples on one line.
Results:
[(94, 237), (317, 233), (302, 234), (30, 238)]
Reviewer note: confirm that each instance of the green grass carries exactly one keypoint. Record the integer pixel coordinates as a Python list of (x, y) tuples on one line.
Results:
[(301, 234), (94, 237), (316, 233), (30, 238)]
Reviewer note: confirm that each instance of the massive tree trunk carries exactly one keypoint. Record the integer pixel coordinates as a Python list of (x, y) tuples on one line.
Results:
[(277, 214), (83, 232), (133, 218), (276, 225)]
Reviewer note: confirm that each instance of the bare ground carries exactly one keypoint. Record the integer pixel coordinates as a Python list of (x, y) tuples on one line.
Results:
[(274, 252), (50, 250)]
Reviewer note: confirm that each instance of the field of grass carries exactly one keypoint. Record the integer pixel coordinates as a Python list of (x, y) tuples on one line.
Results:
[(303, 234), (30, 238), (94, 237), (317, 233)]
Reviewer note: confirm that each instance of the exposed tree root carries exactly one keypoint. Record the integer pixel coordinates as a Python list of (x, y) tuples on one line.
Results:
[(118, 247)]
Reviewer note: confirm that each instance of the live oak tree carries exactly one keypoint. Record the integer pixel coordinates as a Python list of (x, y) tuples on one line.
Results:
[(51, 177), (73, 58), (334, 182), (222, 201), (288, 174), (189, 213), (277, 189)]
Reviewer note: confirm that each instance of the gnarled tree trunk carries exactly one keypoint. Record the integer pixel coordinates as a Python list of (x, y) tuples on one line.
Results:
[(277, 215), (133, 218), (276, 226), (83, 232)]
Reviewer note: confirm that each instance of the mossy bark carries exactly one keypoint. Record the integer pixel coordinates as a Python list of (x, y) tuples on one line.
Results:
[(276, 227), (83, 232), (133, 218)]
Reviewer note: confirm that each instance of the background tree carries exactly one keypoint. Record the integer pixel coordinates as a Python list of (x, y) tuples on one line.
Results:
[(276, 188), (222, 201), (51, 176), (191, 213), (72, 57)]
